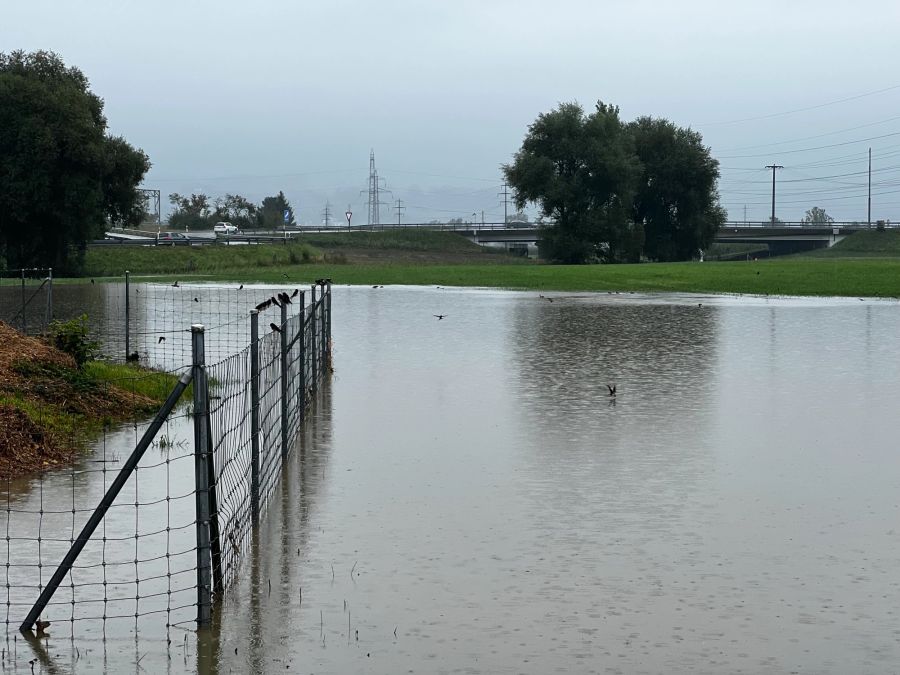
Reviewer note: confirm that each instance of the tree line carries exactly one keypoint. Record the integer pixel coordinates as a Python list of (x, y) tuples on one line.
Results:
[(199, 212)]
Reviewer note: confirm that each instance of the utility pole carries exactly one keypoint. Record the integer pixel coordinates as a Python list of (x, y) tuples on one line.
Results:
[(327, 214), (399, 208), (773, 167), (869, 213), (505, 195), (745, 214)]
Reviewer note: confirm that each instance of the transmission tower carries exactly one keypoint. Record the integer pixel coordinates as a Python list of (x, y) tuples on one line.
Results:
[(374, 202), (326, 213)]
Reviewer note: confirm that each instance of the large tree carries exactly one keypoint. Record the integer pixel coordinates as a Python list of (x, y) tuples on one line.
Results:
[(581, 171), (676, 201), (817, 216), (62, 177), (271, 212)]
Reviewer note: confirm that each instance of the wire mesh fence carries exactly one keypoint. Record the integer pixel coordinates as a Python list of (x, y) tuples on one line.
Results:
[(26, 299), (179, 494)]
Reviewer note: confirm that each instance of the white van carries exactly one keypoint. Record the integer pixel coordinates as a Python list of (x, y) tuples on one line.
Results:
[(224, 228)]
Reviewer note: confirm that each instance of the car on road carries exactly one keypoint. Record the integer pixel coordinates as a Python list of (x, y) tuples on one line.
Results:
[(172, 239), (225, 228)]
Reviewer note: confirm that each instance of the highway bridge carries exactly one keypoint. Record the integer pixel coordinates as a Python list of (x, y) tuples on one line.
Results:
[(781, 239)]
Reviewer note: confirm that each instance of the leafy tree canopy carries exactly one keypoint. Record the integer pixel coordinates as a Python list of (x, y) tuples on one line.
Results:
[(62, 177), (271, 212), (677, 201), (817, 216), (610, 191)]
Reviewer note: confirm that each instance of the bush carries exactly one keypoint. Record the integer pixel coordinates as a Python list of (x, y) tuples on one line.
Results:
[(72, 338)]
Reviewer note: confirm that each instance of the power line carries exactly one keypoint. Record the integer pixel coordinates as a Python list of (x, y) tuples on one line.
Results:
[(812, 107)]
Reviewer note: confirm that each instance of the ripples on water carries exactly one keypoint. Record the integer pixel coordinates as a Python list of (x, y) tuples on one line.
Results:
[(468, 499)]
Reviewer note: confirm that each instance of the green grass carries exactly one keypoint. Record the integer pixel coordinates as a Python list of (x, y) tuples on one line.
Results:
[(112, 261), (786, 276), (865, 244), (154, 384), (400, 240), (865, 264)]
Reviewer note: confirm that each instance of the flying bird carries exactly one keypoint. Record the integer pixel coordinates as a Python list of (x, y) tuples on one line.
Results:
[(439, 317), (274, 327), (161, 339), (612, 390)]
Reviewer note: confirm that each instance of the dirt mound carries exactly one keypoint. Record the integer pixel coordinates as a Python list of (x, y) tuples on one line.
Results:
[(49, 408)]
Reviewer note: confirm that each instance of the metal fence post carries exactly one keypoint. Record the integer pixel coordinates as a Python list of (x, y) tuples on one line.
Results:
[(127, 315), (301, 374), (314, 368), (254, 414), (50, 297), (284, 382), (24, 320), (201, 477), (323, 342), (328, 322)]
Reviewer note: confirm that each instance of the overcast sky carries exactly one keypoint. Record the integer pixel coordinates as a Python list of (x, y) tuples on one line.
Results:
[(256, 97)]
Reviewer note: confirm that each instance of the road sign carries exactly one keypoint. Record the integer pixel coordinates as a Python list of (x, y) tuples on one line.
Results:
[(287, 216), (349, 215)]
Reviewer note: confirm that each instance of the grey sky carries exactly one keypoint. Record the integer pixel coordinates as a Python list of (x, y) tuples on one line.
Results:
[(253, 97)]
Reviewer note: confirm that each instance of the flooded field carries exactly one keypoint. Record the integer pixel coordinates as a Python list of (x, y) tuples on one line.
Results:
[(467, 498)]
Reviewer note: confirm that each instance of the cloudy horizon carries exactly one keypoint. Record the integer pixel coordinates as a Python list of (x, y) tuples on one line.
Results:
[(232, 98)]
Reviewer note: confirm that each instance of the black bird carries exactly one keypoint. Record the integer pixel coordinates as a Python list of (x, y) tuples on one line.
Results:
[(92, 281), (196, 300), (274, 327), (241, 287), (262, 306), (273, 301), (295, 293), (161, 339), (285, 299), (133, 357), (612, 390), (439, 316), (175, 284)]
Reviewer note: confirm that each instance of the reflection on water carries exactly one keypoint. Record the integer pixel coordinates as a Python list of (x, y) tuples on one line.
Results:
[(466, 497)]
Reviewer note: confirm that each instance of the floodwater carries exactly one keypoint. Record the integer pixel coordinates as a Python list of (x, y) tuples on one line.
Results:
[(466, 498)]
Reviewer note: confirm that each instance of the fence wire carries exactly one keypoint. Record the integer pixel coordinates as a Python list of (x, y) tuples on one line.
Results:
[(140, 566)]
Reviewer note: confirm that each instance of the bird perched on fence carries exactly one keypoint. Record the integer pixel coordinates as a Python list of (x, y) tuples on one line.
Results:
[(285, 299), (439, 317), (274, 301), (274, 327), (162, 338), (241, 287), (263, 305), (612, 390), (176, 283), (295, 293)]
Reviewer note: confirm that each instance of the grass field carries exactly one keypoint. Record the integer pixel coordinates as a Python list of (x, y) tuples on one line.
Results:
[(866, 264)]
